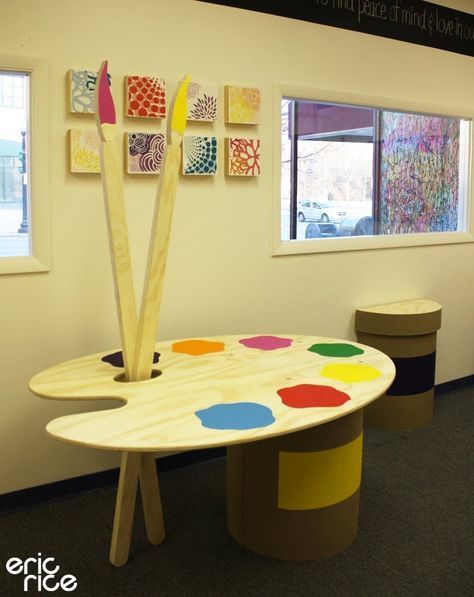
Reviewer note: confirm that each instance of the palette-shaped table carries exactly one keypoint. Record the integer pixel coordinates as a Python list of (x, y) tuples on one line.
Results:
[(288, 408)]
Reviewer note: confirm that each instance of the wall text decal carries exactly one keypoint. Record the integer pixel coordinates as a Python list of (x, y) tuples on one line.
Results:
[(415, 21)]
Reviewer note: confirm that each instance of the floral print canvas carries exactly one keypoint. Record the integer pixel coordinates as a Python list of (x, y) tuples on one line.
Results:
[(242, 105), (243, 157), (144, 152), (84, 157), (145, 97), (82, 91), (199, 155), (202, 102)]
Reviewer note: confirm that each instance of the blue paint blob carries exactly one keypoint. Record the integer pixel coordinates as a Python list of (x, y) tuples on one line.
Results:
[(240, 415)]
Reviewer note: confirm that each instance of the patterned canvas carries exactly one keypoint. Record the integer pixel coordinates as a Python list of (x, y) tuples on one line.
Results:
[(202, 102), (144, 152), (243, 157), (199, 155), (242, 105), (84, 151), (145, 97), (82, 90)]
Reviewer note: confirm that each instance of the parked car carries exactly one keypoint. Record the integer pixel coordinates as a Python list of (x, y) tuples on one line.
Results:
[(320, 211), (320, 230), (356, 226)]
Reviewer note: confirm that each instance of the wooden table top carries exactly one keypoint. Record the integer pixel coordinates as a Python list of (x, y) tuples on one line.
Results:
[(216, 391)]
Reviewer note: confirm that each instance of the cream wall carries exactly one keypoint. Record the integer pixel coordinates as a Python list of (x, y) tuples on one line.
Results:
[(221, 277)]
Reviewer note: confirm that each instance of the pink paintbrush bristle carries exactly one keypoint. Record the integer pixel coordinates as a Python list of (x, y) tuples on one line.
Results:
[(105, 101)]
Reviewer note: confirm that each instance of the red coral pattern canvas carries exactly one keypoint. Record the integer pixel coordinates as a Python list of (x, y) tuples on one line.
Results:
[(243, 157), (145, 97)]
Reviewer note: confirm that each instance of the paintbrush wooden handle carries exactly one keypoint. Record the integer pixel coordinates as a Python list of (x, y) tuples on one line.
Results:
[(156, 265), (119, 250)]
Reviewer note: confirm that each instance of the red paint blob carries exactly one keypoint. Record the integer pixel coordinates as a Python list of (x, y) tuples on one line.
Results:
[(309, 395)]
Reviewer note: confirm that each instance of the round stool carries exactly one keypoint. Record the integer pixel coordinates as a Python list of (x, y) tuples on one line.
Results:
[(406, 332)]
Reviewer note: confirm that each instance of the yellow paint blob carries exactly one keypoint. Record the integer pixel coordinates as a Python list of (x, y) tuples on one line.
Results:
[(197, 347), (350, 372)]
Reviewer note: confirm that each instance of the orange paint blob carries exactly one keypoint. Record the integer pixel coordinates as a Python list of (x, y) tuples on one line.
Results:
[(197, 347)]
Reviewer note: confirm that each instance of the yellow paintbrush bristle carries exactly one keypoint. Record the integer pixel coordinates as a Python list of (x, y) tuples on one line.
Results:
[(180, 108)]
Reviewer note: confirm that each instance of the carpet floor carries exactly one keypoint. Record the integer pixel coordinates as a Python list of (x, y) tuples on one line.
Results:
[(415, 539)]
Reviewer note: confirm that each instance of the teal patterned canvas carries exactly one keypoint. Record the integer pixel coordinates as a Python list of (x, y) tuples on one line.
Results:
[(81, 90), (199, 155)]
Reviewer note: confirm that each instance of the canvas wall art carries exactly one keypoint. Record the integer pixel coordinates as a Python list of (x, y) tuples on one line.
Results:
[(84, 155), (199, 155), (144, 152), (202, 102), (145, 97), (242, 156), (81, 90), (242, 105)]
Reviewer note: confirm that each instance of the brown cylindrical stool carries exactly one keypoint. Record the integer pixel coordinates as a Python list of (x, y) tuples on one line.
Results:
[(296, 496), (406, 332)]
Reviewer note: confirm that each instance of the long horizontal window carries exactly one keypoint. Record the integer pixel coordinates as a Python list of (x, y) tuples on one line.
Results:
[(358, 171)]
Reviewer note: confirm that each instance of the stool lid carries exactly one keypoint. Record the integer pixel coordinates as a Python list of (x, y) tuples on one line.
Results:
[(405, 318)]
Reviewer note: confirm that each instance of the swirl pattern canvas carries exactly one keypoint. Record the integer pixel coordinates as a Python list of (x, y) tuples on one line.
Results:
[(144, 152)]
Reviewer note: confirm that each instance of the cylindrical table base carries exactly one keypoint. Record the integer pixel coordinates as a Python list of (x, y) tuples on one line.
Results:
[(296, 497)]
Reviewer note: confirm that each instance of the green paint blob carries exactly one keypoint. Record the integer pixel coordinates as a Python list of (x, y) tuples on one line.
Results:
[(336, 349)]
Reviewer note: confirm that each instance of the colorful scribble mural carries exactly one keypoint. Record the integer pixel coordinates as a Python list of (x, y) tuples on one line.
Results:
[(419, 173)]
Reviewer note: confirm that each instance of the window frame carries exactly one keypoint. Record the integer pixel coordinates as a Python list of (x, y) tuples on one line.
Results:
[(38, 151), (336, 244)]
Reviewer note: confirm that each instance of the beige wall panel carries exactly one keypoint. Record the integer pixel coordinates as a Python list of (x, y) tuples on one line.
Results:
[(220, 277)]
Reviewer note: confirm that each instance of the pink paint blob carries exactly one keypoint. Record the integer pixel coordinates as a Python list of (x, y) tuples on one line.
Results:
[(310, 396), (105, 107), (266, 342)]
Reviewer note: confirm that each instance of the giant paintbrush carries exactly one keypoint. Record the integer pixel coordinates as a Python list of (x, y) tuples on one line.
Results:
[(116, 219), (160, 233)]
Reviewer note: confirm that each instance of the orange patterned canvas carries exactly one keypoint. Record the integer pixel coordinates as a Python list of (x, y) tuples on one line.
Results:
[(243, 157), (145, 97), (242, 105)]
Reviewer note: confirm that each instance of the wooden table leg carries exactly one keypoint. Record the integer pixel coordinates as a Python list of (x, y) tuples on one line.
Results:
[(150, 492), (125, 508)]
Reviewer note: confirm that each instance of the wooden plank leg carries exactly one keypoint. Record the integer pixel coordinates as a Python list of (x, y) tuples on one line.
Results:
[(150, 492), (125, 508)]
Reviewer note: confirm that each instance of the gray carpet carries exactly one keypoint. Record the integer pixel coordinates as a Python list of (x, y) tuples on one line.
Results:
[(416, 529)]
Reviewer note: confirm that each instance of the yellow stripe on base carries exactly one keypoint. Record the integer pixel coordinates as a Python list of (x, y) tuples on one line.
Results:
[(310, 480)]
